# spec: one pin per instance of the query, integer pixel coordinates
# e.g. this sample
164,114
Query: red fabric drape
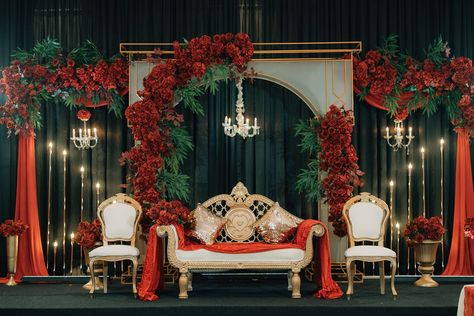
461,255
30,252
152,270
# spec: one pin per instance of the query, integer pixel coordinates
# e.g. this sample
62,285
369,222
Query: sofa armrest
306,230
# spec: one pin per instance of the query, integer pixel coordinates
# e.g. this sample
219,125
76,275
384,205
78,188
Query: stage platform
223,297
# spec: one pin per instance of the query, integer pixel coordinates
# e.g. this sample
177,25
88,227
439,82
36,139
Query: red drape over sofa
152,267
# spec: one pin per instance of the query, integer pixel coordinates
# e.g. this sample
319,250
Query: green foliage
182,145
390,101
188,95
390,46
44,51
87,54
173,185
436,51
308,179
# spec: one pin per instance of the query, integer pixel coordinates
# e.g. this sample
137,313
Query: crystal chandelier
242,128
85,140
398,137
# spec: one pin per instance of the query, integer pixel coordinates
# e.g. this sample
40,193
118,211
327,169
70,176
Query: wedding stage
219,295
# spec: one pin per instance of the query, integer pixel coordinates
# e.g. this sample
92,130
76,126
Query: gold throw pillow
204,225
276,225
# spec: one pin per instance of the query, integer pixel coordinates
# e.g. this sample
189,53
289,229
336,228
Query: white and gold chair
119,216
366,217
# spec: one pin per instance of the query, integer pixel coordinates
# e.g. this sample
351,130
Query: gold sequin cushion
276,225
204,225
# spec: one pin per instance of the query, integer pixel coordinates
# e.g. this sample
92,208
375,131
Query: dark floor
221,296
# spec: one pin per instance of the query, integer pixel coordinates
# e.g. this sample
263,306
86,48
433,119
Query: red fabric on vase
30,251
461,255
152,281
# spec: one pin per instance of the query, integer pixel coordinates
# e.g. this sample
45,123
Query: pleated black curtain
267,164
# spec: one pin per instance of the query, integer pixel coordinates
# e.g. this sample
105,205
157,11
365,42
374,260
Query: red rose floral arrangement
339,159
400,84
422,228
83,115
88,233
12,228
161,142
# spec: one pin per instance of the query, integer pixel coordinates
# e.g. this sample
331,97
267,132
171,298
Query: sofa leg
290,274
296,284
183,285
190,281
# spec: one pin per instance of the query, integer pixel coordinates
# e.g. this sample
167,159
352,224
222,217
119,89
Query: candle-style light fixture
242,126
72,252
391,184
55,251
64,210
398,247
410,167
85,138
398,137
422,150
441,147
97,193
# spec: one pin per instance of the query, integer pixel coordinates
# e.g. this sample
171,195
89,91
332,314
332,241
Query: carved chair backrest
366,217
119,216
242,210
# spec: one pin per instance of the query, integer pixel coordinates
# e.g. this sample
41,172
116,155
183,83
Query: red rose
71,63
83,115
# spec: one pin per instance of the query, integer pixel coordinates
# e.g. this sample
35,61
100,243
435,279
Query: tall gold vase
425,254
12,254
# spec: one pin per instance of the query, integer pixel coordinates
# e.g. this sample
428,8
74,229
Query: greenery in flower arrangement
81,77
12,228
88,233
422,228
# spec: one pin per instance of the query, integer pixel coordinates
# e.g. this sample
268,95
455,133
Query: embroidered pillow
276,225
204,225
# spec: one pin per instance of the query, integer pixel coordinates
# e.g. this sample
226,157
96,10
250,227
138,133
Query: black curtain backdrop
267,164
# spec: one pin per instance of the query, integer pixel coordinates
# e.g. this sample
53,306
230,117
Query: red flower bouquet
422,228
12,228
88,234
469,228
83,115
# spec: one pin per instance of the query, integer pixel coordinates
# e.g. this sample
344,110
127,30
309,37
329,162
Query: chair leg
91,268
105,275
350,281
295,283
183,284
382,277
290,274
393,264
134,276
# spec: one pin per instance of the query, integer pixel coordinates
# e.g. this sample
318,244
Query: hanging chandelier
399,136
85,139
243,127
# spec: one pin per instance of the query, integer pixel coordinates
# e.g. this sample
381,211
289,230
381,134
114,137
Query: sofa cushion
278,255
276,225
204,225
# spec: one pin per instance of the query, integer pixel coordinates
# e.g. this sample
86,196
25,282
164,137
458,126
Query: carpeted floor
224,297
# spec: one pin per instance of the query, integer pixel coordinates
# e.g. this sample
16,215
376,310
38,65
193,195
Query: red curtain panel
461,256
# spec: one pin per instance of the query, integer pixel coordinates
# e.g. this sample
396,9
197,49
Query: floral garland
161,142
339,159
12,228
404,84
81,77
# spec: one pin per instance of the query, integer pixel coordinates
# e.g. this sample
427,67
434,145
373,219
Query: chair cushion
369,251
114,250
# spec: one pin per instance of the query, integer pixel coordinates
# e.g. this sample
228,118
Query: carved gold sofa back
242,210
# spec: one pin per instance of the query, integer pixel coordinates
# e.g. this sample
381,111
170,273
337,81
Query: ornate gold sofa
242,210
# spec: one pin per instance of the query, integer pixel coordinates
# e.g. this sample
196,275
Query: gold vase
12,254
98,283
425,254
